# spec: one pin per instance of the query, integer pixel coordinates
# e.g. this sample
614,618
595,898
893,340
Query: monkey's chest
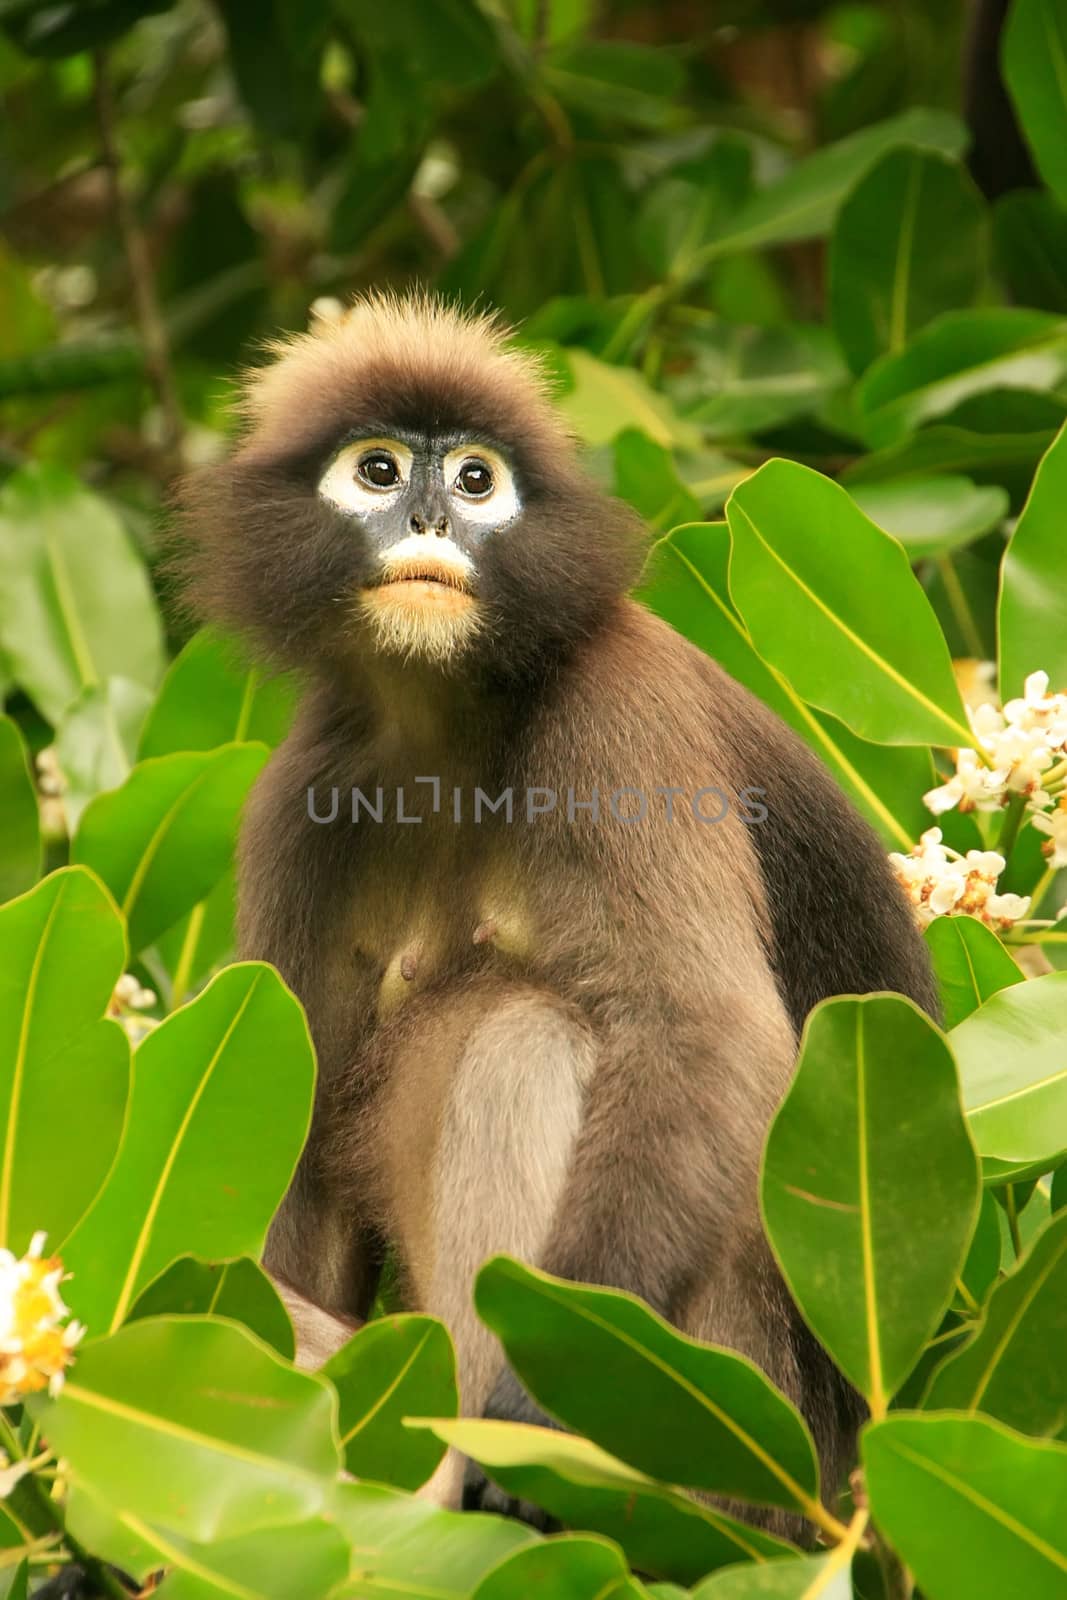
435,906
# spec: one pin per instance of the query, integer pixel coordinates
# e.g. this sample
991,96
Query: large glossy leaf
686,583
971,965
999,1497
909,242
76,606
238,1289
1035,71
403,1546
831,602
695,1415
277,1562
1003,457
932,516
810,1578
212,695
207,1154
395,1367
869,1143
20,832
1033,582
803,204
961,354
64,1067
97,739
165,838
235,1439
1013,1367
571,1567
662,1532
1013,1075
201,940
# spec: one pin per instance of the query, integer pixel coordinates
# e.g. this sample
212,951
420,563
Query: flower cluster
1020,750
939,881
35,1346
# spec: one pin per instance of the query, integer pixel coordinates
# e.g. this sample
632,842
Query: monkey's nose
419,524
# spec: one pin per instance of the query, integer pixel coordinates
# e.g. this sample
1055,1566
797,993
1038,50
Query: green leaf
662,1532
571,1567
395,1367
804,203
206,1155
982,1266
1004,457
686,584
807,1578
617,80
961,354
234,1440
1030,240
605,400
97,739
831,601
909,242
200,941
403,1546
870,1142
971,965
1010,1055
1034,56
164,839
238,1289
695,1415
1033,582
932,516
20,830
212,696
76,606
741,380
974,1510
646,476
1013,1368
272,1563
64,1067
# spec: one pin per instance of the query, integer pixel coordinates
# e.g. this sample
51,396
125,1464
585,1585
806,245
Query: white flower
940,882
973,787
35,1346
1055,825
977,681
1019,750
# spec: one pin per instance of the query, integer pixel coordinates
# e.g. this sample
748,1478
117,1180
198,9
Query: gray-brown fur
648,979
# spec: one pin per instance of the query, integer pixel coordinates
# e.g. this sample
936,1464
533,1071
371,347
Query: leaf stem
1009,832
1011,1211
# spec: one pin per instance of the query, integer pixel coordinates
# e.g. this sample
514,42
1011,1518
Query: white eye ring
501,501
343,487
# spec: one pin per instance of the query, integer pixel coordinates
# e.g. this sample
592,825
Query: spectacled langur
559,1033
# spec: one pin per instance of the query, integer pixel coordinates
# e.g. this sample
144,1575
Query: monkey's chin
419,617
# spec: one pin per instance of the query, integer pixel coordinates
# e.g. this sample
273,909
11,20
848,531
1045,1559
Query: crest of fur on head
261,552
397,349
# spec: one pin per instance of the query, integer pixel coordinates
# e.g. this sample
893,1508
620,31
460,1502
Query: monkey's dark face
406,490
425,507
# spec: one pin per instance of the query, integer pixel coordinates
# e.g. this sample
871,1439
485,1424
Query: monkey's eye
379,469
475,478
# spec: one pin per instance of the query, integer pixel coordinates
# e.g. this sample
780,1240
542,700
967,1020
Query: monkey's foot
508,1402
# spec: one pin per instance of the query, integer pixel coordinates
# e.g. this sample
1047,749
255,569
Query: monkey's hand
508,1402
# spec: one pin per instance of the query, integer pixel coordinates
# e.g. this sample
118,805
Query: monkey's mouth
421,580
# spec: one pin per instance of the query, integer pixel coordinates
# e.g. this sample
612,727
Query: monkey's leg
497,1083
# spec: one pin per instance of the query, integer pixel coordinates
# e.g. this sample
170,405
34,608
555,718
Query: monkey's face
405,488
427,507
